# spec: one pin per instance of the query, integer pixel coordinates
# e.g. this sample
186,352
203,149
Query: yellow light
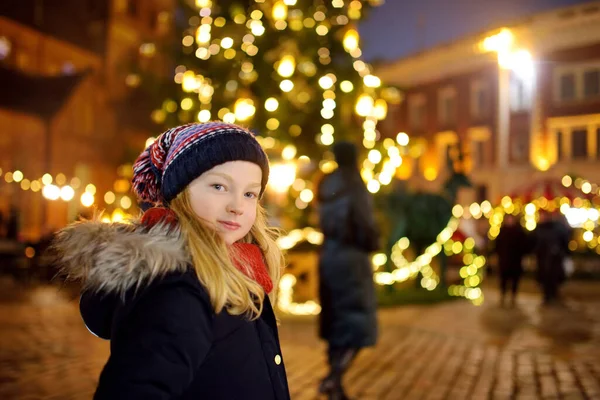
500,42
457,211
67,193
327,166
118,215
457,247
47,179
286,85
372,81
229,118
475,210
282,176
585,188
244,109
326,82
125,202
17,176
90,188
402,139
567,181
25,184
486,207
272,124
306,195
327,129
186,104
430,173
109,197
189,82
374,156
380,110
271,104
229,54
280,11
60,179
373,186
530,209
542,163
202,36
8,177
204,116
87,199
379,259
350,40
51,192
588,236
288,152
346,86
364,105
226,42
36,186
326,139
530,225
287,66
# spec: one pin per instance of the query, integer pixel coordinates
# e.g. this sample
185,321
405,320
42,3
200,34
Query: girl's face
226,197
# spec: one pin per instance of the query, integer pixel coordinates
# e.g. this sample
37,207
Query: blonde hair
228,288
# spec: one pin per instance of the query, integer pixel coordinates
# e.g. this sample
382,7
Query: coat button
277,359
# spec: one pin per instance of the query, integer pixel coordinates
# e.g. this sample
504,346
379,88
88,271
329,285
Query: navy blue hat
181,154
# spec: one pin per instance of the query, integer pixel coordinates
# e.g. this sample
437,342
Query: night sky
402,27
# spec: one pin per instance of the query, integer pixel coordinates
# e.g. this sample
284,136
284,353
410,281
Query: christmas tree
290,70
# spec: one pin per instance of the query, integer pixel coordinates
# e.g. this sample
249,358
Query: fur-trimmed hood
113,258
114,261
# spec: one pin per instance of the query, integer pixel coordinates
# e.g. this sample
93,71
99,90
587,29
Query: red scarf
250,262
248,258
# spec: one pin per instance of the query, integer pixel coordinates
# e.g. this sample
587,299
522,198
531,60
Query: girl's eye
251,195
218,187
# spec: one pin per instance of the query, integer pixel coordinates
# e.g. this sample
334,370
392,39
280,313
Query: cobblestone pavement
447,351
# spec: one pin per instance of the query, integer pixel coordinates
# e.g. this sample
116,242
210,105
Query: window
579,143
447,106
519,147
478,153
598,143
520,93
480,99
591,83
560,150
416,112
577,82
567,87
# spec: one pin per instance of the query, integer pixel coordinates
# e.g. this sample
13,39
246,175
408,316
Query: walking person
185,294
551,238
348,320
511,247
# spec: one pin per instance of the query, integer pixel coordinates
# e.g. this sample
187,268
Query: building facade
79,137
519,102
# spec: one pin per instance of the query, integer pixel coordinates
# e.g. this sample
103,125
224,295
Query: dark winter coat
551,246
166,341
348,317
512,244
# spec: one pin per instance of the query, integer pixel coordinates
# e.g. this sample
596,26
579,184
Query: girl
185,294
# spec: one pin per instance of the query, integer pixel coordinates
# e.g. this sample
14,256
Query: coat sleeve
157,347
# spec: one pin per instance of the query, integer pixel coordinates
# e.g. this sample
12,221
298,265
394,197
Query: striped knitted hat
181,154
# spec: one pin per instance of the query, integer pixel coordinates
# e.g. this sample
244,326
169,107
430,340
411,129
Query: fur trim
113,258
